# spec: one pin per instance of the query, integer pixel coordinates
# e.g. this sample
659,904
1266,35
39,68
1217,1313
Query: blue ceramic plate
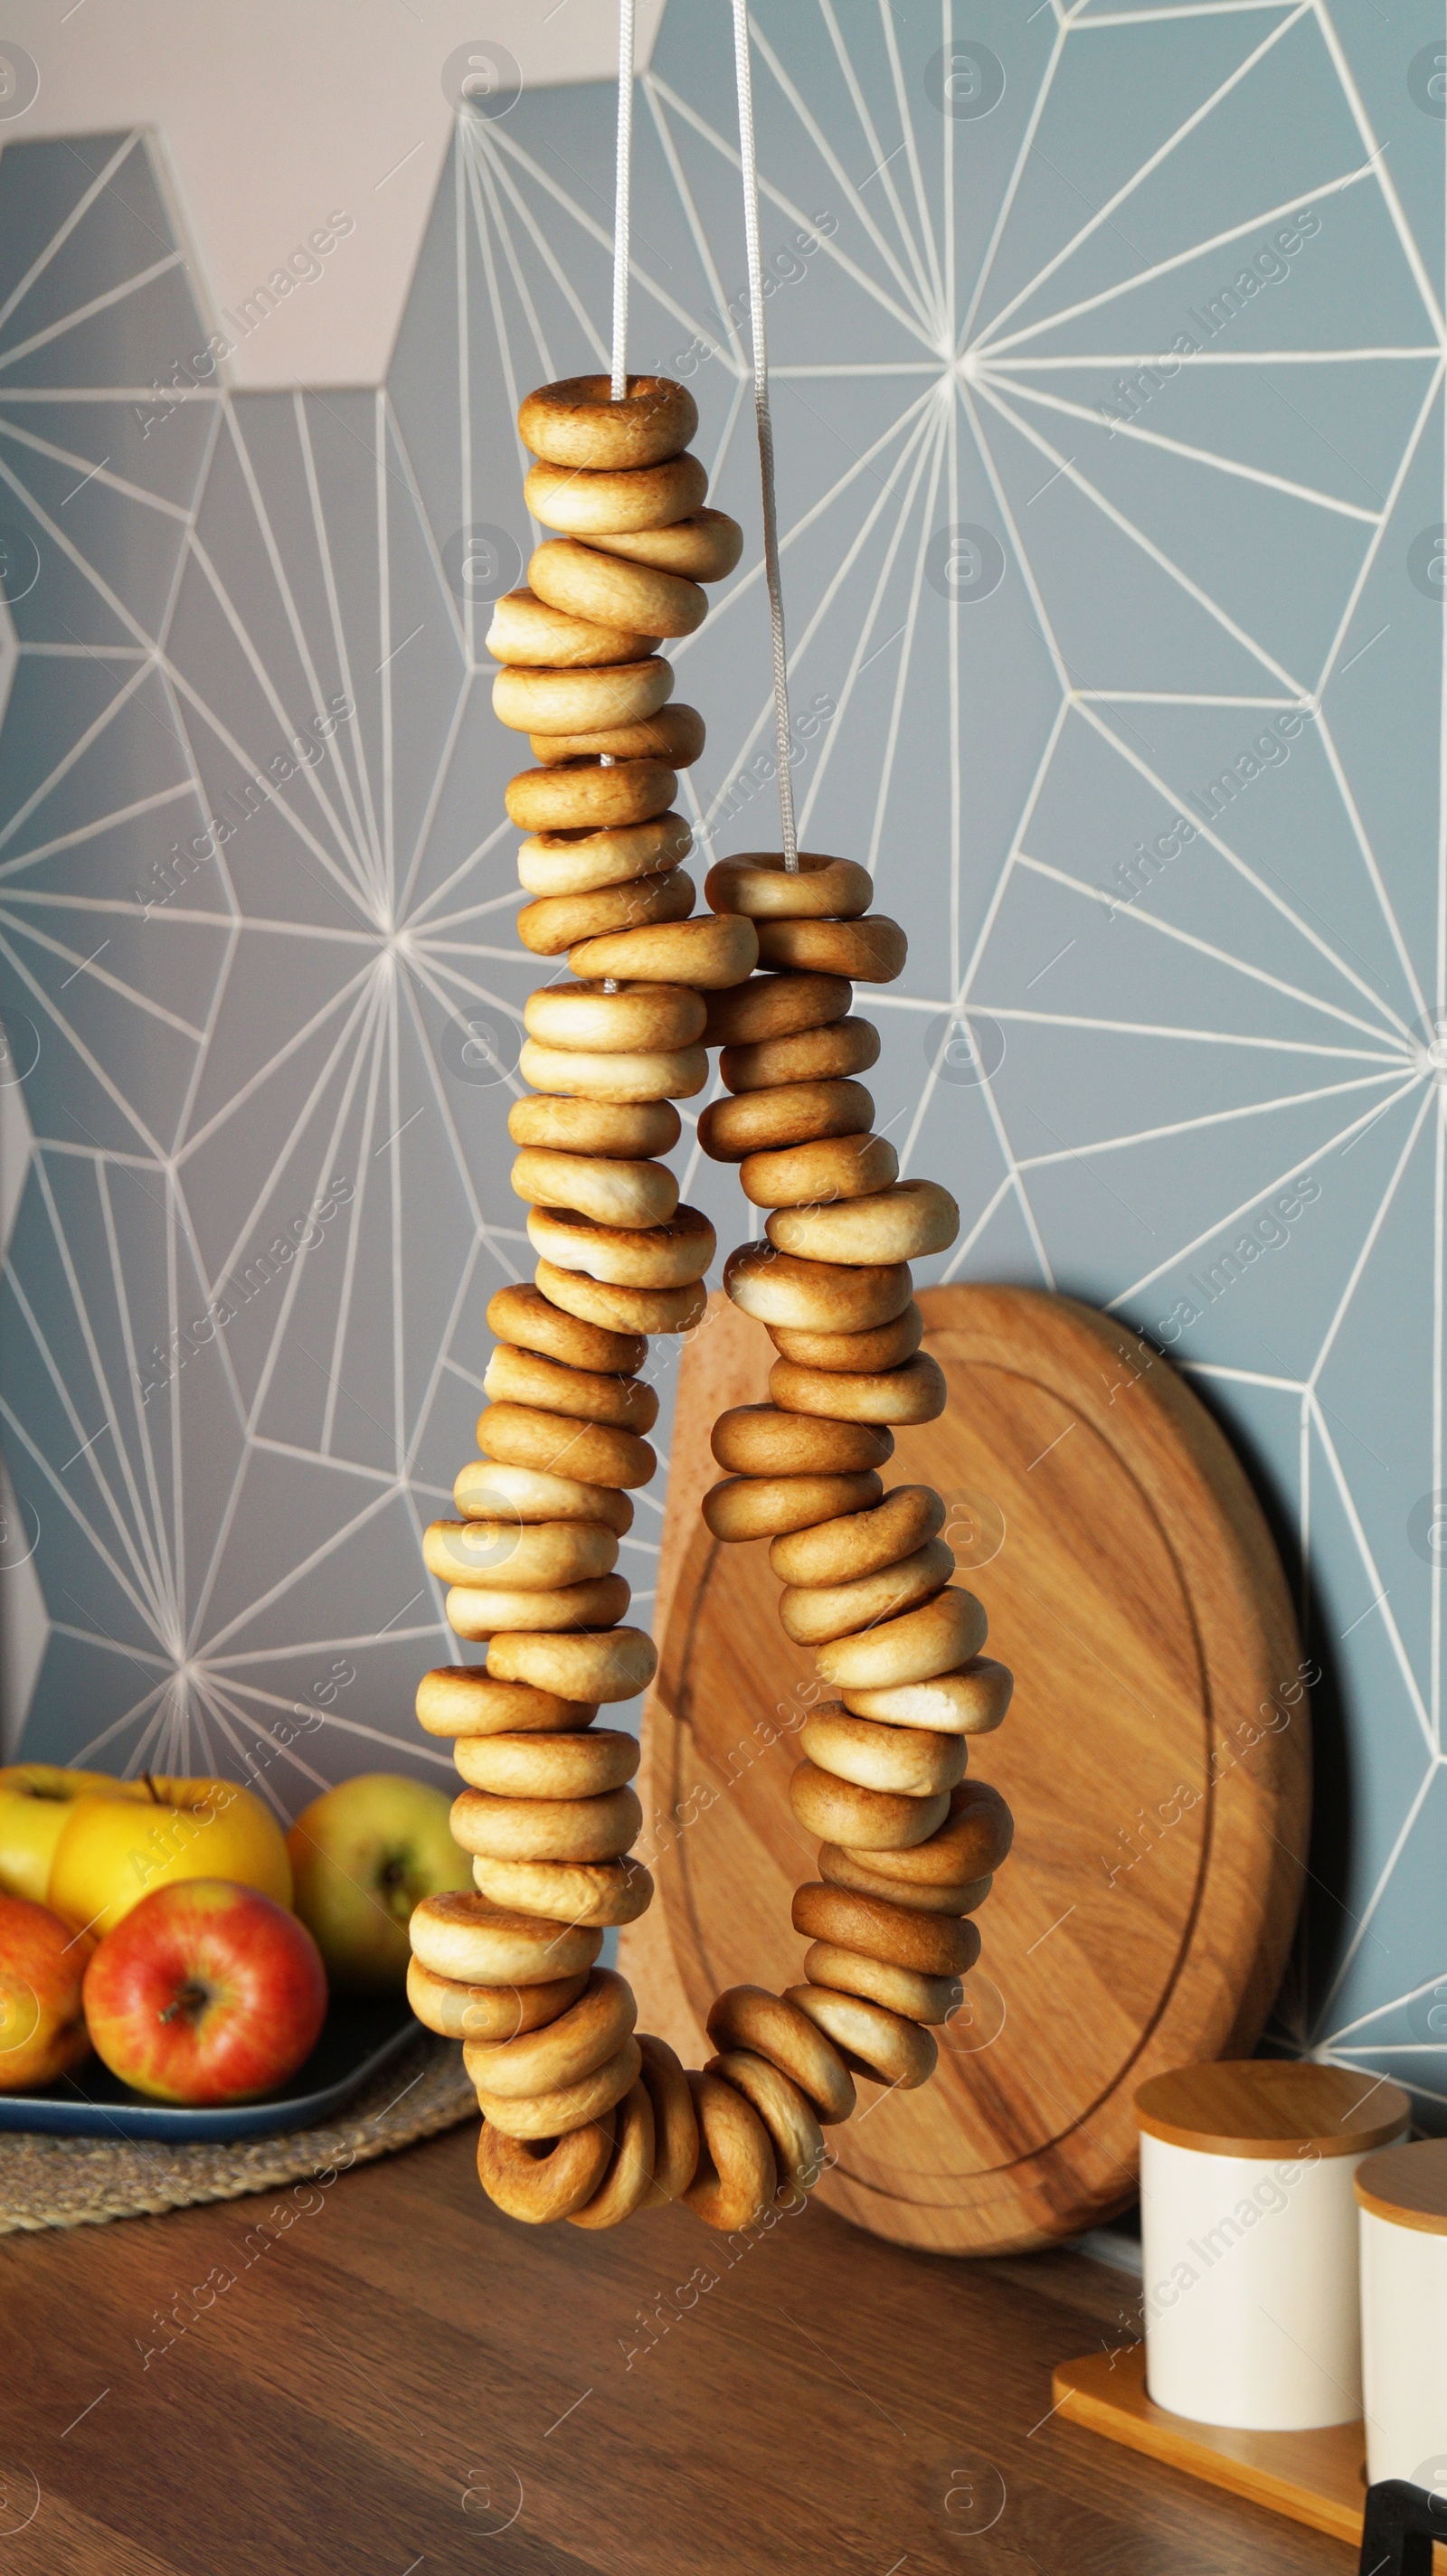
361,2035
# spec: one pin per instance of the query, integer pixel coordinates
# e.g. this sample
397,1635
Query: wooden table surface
401,2382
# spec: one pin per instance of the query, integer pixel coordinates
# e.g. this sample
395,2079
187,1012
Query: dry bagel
902,1758
675,2130
825,1054
479,1615
572,2106
462,1936
525,630
774,2029
591,1074
887,1346
584,796
914,1392
641,1310
876,2043
617,1663
969,1702
585,1395
676,734
456,2011
657,1256
744,1507
526,1317
629,1131
845,1869
534,1556
703,547
900,1990
800,2154
587,503
933,1945
831,1168
609,1188
462,1699
576,2044
612,592
597,1893
838,1551
775,1006
972,1842
596,1453
815,1614
708,953
759,884
736,2177
871,951
796,1113
541,2181
488,1490
815,1296
637,1018
754,1440
868,1820
898,1224
584,862
625,2185
539,699
583,1765
558,921
913,1648
577,421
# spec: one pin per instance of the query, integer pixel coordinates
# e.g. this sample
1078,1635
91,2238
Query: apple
114,1849
363,1854
42,1964
35,1798
207,1992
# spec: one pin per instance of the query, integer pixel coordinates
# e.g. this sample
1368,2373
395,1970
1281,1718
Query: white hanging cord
750,167
621,212
621,201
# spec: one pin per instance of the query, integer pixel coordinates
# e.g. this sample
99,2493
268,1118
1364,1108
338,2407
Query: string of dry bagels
583,2119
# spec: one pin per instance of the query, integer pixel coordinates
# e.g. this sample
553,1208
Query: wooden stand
1317,2478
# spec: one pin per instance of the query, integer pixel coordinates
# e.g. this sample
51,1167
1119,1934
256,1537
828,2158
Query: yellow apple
113,1850
35,1800
363,1855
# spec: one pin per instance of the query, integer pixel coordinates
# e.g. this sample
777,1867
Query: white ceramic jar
1249,2238
1402,2212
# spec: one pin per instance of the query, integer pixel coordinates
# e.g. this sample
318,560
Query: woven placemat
78,2182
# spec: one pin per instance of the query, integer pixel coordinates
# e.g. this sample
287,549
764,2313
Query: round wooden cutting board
1156,1758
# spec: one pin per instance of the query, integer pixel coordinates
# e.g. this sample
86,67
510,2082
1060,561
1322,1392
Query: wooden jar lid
1408,2185
1270,2106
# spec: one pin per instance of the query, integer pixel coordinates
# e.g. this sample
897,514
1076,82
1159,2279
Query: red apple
206,1992
42,1963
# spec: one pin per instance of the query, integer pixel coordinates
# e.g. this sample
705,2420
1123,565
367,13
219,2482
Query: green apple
362,1855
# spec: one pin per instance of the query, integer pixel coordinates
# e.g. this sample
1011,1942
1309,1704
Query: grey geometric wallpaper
1108,353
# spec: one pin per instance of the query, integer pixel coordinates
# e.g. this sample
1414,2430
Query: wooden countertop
401,2372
